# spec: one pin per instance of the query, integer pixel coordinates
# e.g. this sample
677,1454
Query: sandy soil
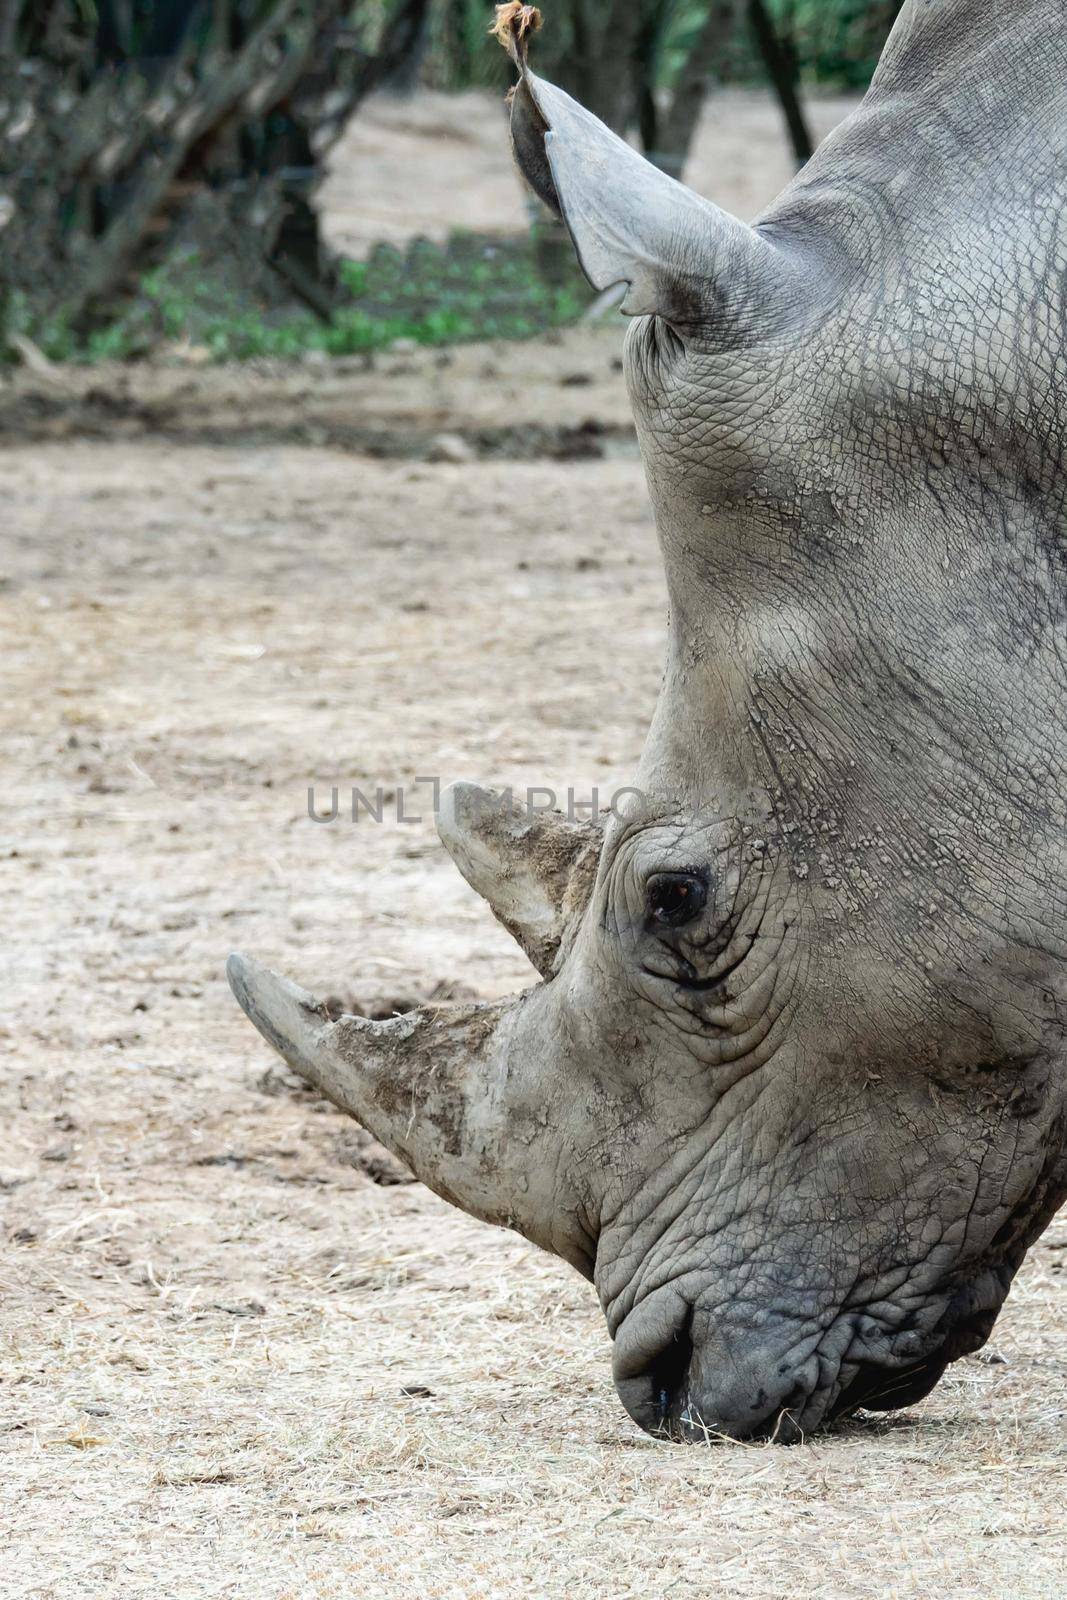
233,1364
557,396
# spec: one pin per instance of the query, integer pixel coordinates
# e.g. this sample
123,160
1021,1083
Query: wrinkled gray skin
801,1141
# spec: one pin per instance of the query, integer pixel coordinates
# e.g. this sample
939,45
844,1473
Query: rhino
792,1088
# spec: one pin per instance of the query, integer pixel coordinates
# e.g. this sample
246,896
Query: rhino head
793,1089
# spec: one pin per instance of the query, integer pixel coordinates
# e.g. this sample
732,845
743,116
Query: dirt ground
233,1361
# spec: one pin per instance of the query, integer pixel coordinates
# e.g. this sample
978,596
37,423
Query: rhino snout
685,1376
694,1389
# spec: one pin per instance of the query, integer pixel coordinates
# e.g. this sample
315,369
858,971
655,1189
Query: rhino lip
879,1388
889,1389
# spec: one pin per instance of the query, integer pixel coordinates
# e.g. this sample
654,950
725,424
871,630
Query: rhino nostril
652,1362
669,1372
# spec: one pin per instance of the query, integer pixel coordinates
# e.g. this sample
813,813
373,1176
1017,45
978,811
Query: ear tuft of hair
512,27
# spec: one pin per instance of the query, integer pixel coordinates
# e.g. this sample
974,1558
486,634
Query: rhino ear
683,258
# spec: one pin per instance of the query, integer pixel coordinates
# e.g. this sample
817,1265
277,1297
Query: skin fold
793,1088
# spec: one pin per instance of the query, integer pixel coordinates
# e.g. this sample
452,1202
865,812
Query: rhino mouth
875,1388
664,1400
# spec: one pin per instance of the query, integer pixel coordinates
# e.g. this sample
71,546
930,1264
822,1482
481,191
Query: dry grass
210,1315
169,1445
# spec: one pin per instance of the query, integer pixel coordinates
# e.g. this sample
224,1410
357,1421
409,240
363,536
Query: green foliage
473,287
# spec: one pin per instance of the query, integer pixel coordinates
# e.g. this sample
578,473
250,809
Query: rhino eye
675,898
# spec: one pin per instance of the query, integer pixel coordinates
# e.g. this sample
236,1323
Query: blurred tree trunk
114,124
9,17
668,122
587,47
779,56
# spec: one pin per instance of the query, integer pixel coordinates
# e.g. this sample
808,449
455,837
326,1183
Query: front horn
458,1092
